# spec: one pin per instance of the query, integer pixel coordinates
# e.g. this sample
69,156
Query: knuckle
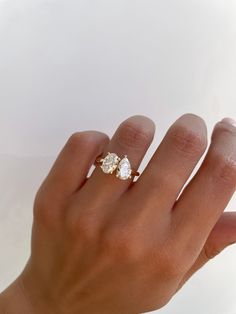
44,213
222,128
39,206
224,170
211,251
134,135
187,141
80,141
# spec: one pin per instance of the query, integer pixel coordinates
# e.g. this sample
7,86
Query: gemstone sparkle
110,163
124,169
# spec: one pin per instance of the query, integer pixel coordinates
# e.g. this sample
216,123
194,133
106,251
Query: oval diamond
124,169
110,163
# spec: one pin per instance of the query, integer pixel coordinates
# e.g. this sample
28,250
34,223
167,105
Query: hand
103,245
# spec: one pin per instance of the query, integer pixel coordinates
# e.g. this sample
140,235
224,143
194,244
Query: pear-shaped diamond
124,169
110,162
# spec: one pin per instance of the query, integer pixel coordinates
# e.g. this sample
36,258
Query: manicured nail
229,121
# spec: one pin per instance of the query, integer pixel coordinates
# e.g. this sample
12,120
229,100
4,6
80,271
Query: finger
132,138
205,198
173,162
222,235
70,169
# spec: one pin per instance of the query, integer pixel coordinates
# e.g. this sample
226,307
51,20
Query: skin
103,245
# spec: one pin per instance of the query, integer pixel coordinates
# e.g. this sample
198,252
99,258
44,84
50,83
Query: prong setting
109,163
112,162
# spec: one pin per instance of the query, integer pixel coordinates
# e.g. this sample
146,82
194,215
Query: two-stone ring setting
113,163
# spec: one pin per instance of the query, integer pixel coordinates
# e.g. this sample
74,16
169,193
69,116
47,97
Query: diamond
124,169
110,163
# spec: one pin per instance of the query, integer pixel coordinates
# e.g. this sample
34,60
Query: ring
112,163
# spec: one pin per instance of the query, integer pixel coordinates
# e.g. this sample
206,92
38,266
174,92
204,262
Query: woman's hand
103,245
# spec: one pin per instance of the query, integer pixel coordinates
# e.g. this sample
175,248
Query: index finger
207,195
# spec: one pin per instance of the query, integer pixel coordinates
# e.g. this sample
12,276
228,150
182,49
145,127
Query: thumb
222,235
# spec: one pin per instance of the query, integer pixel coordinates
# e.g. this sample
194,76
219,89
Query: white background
71,65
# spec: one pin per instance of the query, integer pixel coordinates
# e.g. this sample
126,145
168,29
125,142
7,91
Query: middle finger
172,163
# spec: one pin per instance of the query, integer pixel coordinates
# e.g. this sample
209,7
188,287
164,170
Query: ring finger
132,138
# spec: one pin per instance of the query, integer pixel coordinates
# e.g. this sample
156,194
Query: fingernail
229,121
